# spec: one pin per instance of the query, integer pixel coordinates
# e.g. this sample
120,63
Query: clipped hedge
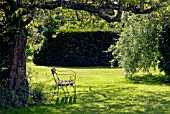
76,49
164,49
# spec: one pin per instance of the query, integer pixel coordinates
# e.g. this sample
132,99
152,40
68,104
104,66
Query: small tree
137,47
144,43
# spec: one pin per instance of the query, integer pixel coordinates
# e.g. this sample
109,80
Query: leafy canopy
137,47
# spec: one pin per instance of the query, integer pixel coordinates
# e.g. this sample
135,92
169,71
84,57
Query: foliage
37,95
75,20
164,41
143,44
35,31
137,47
11,98
29,51
76,49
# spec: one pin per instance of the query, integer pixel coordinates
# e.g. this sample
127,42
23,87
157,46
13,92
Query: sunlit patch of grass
102,90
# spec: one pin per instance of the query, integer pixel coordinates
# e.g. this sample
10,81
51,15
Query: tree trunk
14,70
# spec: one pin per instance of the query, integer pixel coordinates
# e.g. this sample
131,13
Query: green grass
102,90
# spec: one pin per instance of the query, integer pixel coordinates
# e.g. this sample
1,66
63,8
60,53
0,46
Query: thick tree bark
18,62
14,73
14,86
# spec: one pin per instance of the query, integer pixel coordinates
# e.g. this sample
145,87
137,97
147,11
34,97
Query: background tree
137,47
17,14
144,42
164,40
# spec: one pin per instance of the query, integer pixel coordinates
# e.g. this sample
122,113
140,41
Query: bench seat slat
65,82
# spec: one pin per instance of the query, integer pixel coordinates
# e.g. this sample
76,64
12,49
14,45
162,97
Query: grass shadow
149,79
111,99
66,100
106,99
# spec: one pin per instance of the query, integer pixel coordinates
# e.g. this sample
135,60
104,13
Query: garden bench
69,80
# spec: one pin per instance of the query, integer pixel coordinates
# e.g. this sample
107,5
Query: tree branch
28,20
142,10
92,8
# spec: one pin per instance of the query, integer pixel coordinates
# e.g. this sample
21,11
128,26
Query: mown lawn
101,90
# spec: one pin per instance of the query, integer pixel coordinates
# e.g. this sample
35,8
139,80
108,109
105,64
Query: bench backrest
69,75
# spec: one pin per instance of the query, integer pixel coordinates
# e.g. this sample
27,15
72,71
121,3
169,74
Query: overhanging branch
92,8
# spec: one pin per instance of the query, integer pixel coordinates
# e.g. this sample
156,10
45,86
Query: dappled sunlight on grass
102,91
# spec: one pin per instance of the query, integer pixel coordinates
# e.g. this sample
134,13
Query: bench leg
67,90
54,92
74,87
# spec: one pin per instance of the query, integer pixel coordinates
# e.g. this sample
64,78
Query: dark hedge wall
164,49
76,49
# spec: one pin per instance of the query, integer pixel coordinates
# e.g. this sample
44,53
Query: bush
164,41
11,98
76,49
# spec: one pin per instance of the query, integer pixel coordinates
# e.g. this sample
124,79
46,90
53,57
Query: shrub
164,41
76,49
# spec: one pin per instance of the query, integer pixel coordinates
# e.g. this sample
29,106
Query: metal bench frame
63,83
